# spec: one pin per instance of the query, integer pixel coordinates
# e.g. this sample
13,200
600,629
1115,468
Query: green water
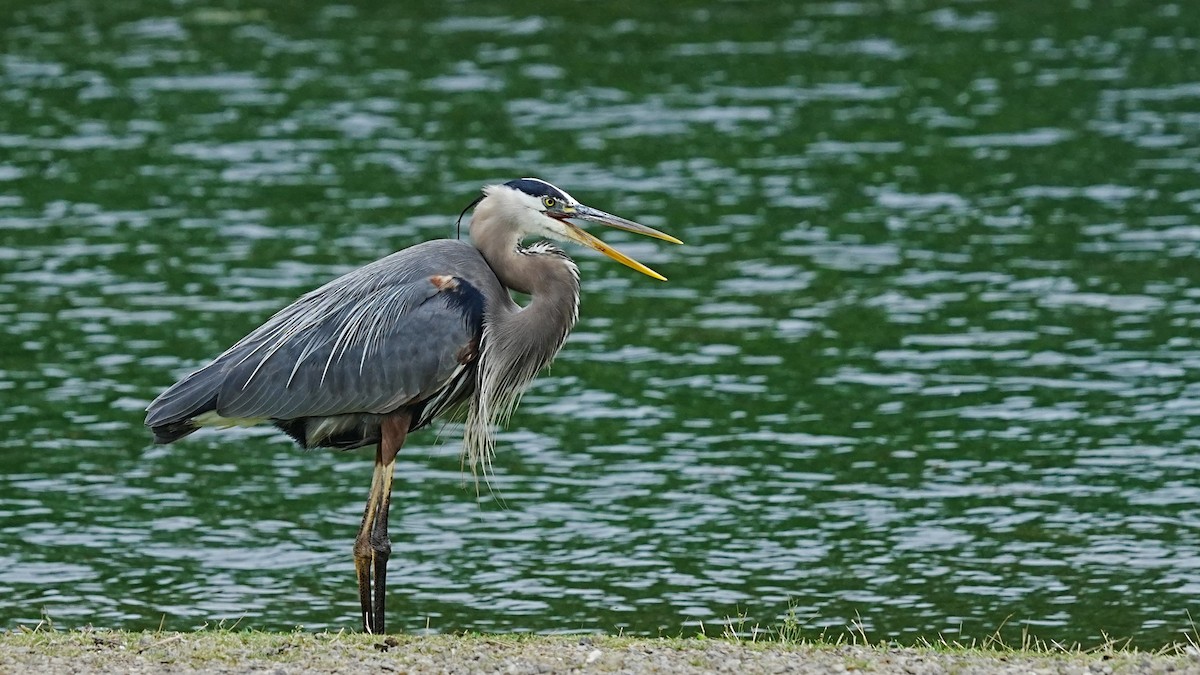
929,361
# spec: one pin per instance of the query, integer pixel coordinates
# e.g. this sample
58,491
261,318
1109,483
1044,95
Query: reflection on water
928,360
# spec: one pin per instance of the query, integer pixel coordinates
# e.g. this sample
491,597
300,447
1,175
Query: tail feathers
169,433
172,415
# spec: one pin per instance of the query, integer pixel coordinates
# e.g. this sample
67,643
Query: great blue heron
381,351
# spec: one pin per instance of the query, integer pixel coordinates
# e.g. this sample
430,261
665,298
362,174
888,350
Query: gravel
292,653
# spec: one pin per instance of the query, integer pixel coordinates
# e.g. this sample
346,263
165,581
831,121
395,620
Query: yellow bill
597,216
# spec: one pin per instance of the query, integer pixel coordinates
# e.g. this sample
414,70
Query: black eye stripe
537,188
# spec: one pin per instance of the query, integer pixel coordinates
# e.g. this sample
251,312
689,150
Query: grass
793,630
789,644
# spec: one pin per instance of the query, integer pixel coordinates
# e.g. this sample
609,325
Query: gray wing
388,334
388,348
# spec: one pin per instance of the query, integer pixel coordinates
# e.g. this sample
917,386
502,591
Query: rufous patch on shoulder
444,282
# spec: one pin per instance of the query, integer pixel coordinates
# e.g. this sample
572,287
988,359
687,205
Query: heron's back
401,331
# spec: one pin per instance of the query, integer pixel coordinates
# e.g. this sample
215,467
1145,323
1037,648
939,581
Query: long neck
541,271
551,280
518,342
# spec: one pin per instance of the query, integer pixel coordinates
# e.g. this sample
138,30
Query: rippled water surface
929,361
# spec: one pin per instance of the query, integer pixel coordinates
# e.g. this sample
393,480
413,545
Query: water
928,362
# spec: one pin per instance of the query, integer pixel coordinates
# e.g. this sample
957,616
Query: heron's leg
372,546
394,431
363,553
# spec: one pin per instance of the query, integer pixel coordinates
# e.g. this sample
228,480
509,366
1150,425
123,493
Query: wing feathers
385,335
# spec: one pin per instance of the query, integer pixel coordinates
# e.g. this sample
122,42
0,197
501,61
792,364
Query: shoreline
104,651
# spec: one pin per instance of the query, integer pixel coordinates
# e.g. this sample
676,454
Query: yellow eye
549,202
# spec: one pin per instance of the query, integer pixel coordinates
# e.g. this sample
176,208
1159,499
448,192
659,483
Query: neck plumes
518,342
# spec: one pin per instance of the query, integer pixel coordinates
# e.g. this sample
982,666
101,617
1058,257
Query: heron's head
533,207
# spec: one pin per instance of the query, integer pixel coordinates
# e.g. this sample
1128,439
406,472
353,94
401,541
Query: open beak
597,216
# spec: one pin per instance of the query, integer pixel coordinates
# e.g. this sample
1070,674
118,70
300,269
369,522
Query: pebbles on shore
294,653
